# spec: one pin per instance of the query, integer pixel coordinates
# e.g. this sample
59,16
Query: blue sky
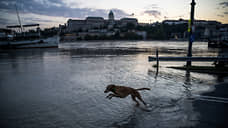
50,13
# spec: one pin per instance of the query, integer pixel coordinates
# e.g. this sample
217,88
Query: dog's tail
143,89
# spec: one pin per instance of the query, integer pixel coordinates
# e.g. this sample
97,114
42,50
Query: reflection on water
55,88
166,47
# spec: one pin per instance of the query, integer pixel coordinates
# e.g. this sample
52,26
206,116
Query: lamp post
190,30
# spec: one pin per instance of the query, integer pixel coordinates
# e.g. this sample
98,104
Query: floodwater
46,88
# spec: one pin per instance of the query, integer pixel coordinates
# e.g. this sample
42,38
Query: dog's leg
108,96
133,98
140,98
112,95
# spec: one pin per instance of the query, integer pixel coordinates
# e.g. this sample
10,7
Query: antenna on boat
18,17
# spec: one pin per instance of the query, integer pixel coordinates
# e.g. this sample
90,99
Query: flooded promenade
46,88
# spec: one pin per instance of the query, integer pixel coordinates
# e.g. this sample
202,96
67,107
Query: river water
46,88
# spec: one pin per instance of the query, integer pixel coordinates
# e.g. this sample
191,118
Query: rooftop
94,18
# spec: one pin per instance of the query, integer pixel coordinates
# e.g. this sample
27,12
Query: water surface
60,88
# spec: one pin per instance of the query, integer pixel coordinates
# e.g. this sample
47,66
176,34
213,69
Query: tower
111,16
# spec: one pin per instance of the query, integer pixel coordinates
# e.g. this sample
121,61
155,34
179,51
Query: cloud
220,15
153,6
30,18
223,9
36,19
54,8
5,21
119,13
224,4
154,13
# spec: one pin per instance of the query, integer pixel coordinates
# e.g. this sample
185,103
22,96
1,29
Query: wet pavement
60,88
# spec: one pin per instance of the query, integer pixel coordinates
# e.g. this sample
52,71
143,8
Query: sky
49,13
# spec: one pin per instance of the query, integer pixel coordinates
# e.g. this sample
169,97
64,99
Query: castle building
98,23
125,21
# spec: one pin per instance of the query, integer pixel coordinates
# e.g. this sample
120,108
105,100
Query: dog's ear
111,86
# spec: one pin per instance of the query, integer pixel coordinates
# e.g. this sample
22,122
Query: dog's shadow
128,122
132,119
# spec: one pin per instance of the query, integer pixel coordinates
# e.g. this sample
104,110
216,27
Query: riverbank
211,106
213,113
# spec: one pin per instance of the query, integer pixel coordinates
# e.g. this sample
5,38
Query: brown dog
122,92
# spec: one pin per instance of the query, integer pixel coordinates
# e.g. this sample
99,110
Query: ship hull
37,43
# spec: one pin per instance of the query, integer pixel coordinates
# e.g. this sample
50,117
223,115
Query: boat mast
18,17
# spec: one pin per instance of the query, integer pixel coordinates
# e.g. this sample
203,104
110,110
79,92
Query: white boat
36,43
33,39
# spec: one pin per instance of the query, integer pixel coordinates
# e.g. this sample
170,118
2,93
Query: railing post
190,29
157,58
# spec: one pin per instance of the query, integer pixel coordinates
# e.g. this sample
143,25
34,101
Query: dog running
123,91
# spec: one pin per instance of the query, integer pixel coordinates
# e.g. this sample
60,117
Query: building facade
98,23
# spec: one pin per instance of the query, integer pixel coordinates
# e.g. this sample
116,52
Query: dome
111,15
